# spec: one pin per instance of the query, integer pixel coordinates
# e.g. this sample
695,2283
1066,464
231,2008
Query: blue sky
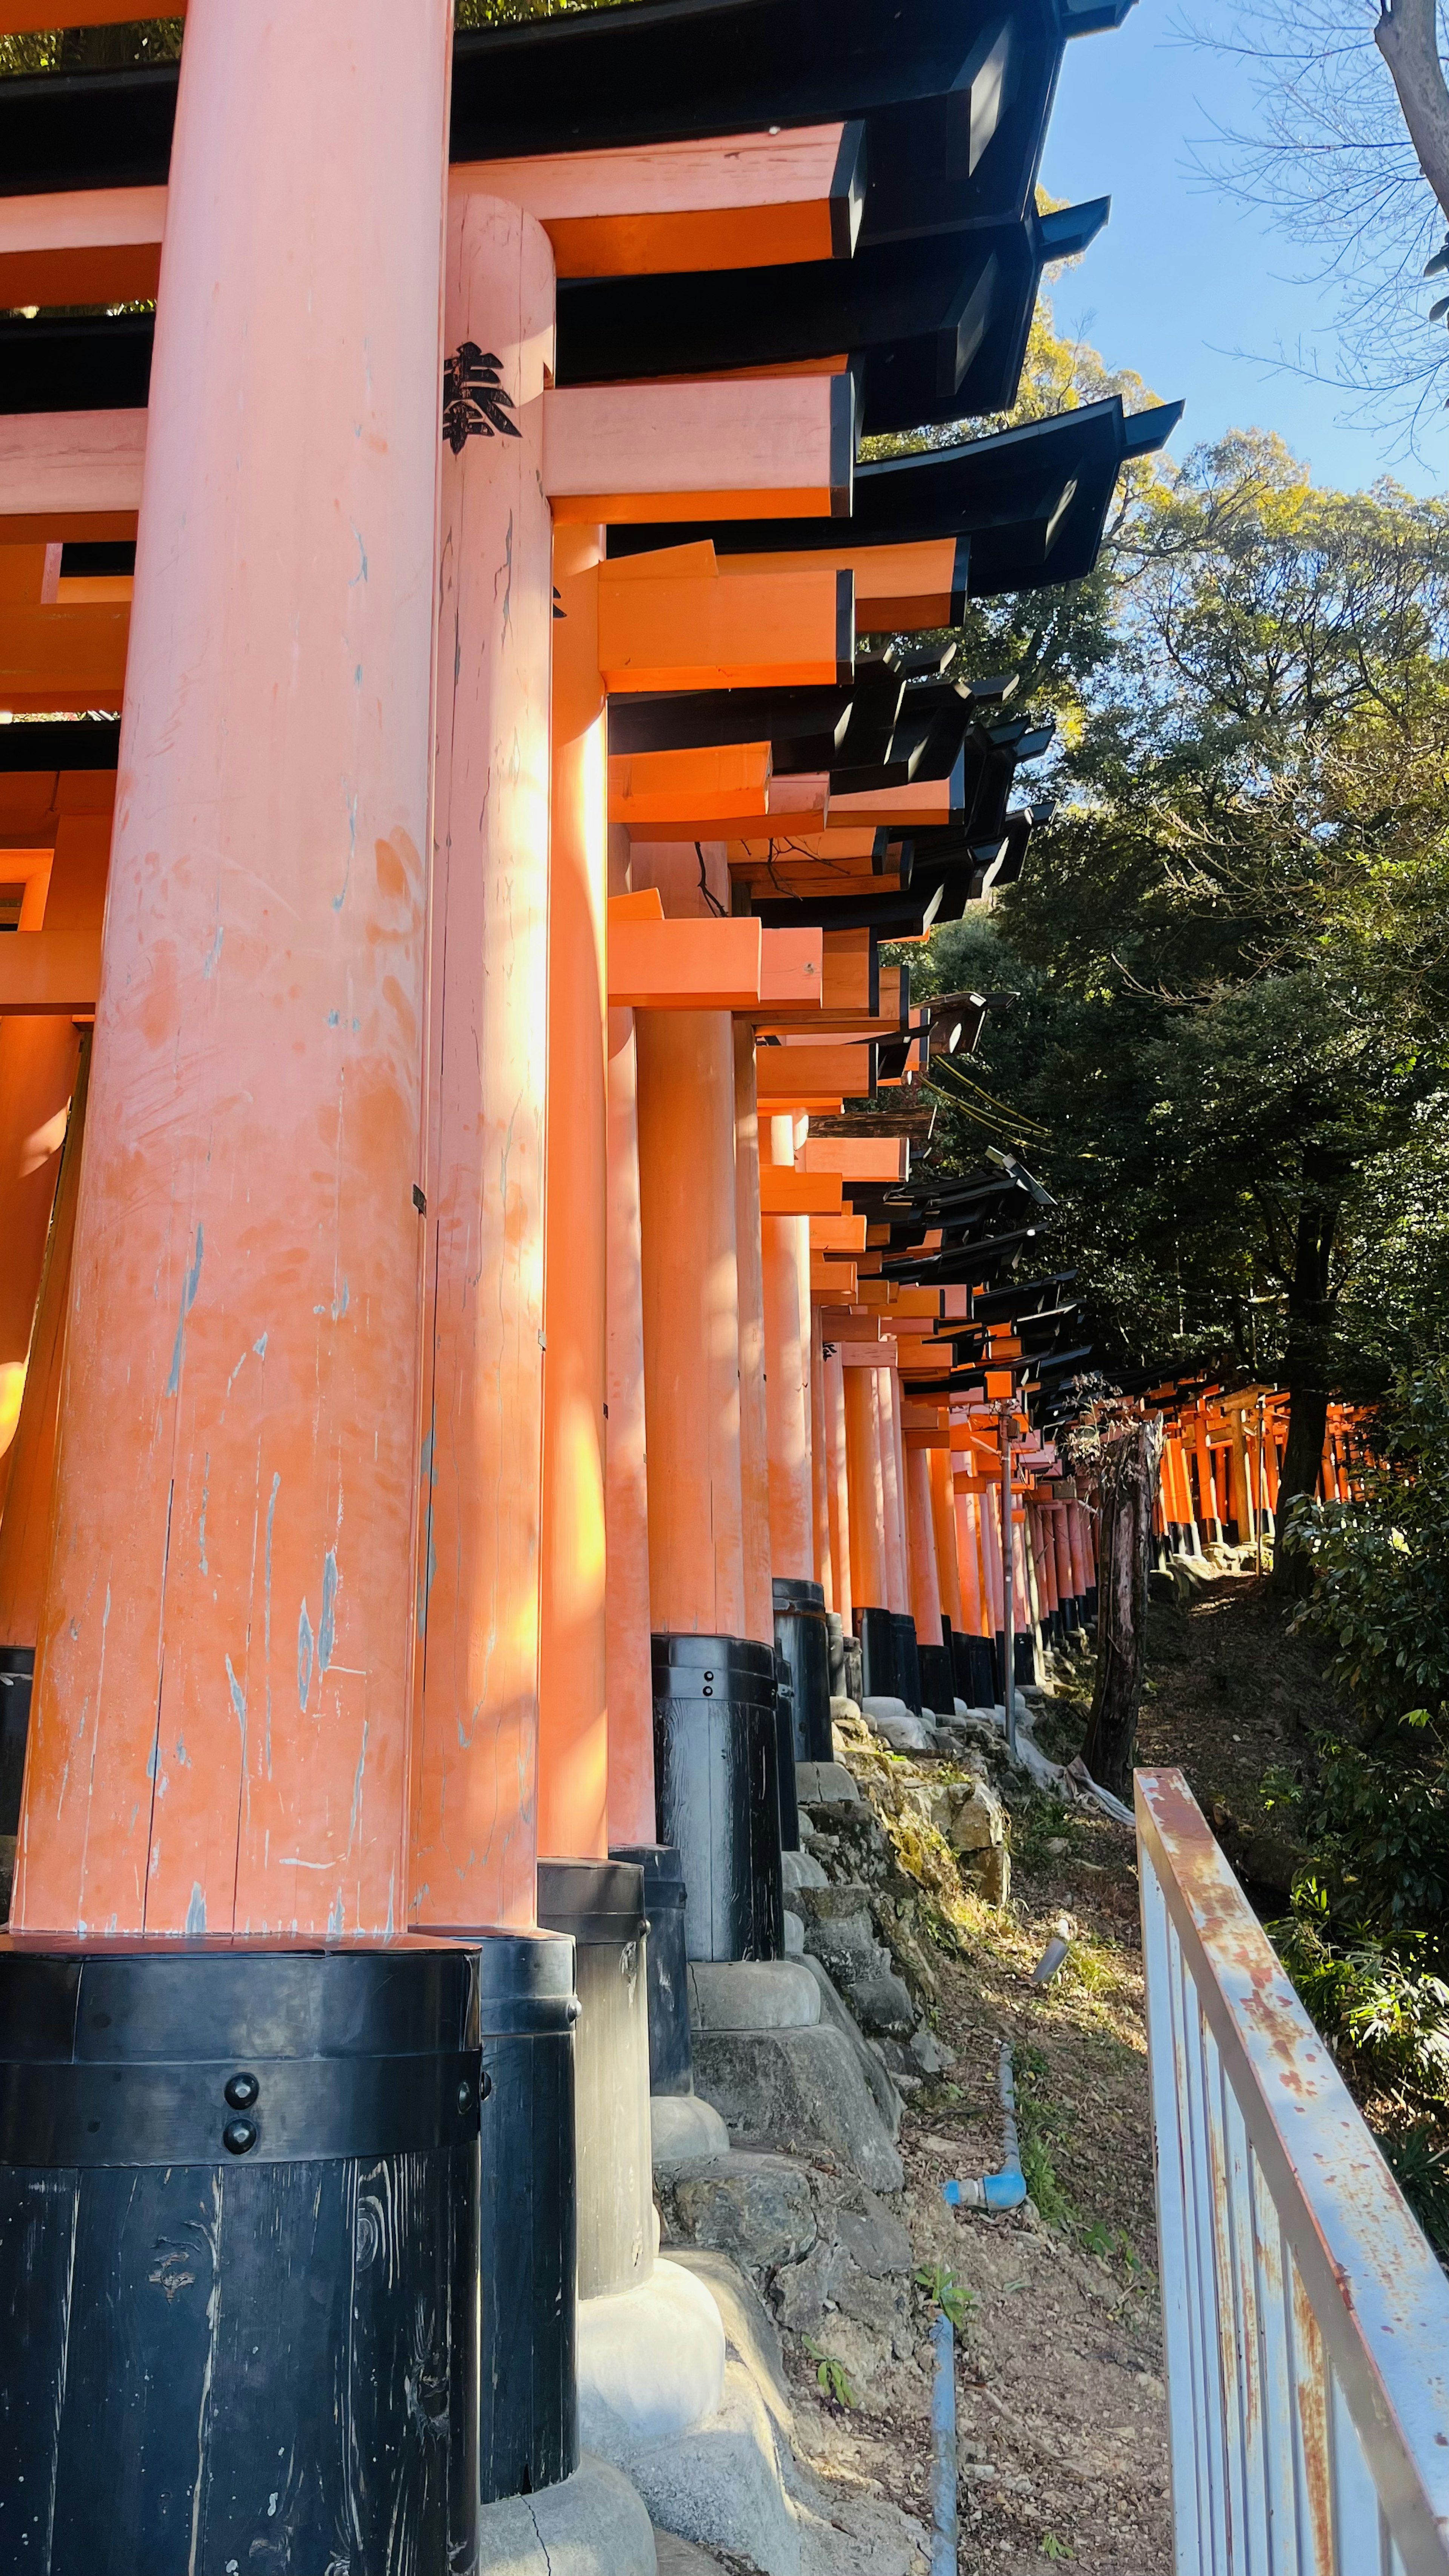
1182,277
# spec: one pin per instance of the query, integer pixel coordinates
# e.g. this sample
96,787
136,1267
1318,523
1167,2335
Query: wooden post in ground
1128,1481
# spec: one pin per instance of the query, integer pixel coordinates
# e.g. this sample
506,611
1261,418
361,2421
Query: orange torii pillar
603,1899
713,1683
979,1678
948,1553
798,1599
837,1491
214,1844
1062,1545
933,1657
757,1372
898,1574
869,1574
475,1752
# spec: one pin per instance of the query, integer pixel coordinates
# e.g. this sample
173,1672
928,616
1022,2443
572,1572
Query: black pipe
239,2197
717,1790
671,2063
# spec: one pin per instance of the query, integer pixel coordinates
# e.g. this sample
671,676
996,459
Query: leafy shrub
1377,2002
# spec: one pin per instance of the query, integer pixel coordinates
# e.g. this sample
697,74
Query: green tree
1227,1053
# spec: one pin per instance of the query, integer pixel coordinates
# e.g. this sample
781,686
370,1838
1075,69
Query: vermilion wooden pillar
756,1363
228,1619
219,1760
573,1684
921,1548
691,1321
948,1552
626,1490
837,1493
892,1459
867,1488
475,1748
786,1245
819,1461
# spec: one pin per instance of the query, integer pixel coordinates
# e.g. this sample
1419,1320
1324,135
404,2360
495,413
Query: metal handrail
1306,2320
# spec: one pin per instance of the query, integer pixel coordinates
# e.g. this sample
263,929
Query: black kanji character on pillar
474,402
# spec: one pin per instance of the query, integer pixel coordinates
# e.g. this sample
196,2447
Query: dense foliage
1225,1040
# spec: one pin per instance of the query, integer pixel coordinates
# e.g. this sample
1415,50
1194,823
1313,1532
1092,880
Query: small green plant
1051,2547
950,2295
831,2375
1099,2239
1373,1996
1037,2125
1419,2162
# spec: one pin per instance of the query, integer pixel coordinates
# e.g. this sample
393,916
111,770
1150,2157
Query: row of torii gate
464,1332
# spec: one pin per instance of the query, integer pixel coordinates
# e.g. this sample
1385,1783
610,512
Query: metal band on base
239,2355
716,1772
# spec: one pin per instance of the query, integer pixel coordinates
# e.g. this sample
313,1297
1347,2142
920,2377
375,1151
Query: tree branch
1408,38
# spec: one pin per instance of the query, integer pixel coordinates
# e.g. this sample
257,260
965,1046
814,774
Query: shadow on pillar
717,1790
239,2256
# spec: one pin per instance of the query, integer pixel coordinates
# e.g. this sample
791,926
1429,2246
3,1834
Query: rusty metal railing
1306,2319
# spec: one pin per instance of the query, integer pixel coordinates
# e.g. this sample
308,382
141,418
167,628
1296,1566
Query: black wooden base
600,1903
528,2409
908,1666
802,1639
239,2260
937,1680
875,1630
671,2064
717,1793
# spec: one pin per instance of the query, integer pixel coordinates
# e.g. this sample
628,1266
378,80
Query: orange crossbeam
647,787
50,972
689,965
898,589
63,659
783,447
70,475
674,620
784,1192
743,201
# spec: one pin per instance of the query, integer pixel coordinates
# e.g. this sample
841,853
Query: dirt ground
1061,2405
